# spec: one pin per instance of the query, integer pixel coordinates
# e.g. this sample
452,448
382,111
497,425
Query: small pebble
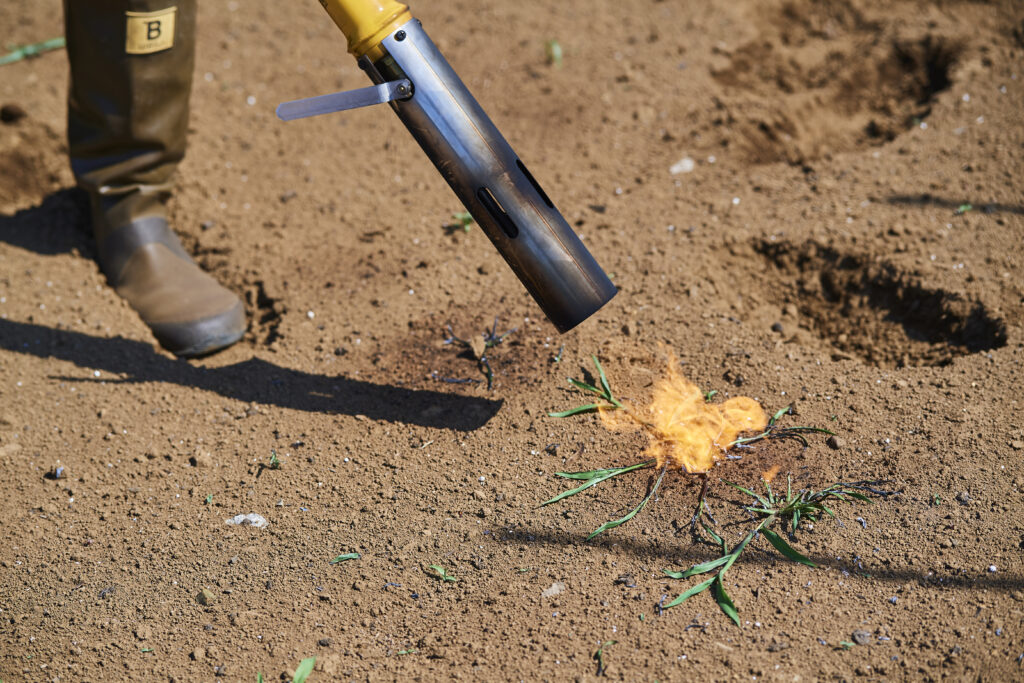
684,165
251,519
205,597
554,589
992,568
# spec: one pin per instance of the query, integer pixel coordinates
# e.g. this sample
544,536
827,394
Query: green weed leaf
724,601
604,379
699,588
785,548
586,387
304,669
589,408
344,557
593,478
443,574
704,567
619,522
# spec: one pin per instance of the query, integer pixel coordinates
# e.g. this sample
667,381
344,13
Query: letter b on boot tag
149,31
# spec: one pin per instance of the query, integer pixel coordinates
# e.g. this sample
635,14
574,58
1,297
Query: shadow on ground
679,552
58,225
253,380
953,204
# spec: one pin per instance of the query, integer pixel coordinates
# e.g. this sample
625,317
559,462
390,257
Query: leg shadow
58,225
253,380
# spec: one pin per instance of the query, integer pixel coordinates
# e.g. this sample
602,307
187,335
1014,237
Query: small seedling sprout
303,670
345,557
599,656
209,499
463,218
442,574
275,462
553,53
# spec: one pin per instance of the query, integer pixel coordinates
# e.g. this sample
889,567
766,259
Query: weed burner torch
412,75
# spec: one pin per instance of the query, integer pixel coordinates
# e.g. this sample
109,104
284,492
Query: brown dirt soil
815,255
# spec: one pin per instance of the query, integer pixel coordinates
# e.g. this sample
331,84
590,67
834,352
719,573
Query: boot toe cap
204,336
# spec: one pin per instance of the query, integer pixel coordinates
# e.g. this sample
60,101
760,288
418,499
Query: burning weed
685,431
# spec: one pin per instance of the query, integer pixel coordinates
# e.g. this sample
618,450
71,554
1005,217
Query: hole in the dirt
824,78
265,311
875,312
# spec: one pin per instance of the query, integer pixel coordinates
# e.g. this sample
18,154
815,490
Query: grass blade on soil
303,670
724,601
785,548
699,588
622,520
592,478
344,557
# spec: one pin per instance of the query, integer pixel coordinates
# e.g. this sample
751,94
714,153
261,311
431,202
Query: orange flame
685,431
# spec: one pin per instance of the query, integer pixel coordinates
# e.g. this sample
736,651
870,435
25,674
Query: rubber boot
131,74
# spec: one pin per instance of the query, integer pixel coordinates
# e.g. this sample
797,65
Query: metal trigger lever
347,99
